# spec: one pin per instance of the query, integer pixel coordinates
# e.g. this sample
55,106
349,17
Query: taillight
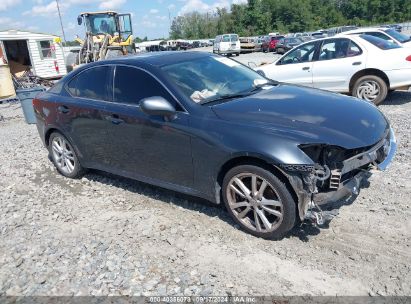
408,58
36,102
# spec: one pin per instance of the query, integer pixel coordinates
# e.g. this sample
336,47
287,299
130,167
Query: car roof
365,29
155,58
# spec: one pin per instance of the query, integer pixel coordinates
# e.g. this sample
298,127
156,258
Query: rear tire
371,88
266,209
64,156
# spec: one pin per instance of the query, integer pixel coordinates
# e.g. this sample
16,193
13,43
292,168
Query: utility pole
169,22
61,23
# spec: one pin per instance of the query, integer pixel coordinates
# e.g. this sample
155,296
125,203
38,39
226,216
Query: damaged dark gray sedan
210,127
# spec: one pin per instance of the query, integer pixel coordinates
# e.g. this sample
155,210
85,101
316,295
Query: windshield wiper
225,97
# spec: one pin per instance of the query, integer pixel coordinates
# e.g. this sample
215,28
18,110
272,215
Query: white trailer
41,53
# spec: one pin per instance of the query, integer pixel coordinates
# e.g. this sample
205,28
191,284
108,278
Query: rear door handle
306,68
114,119
63,109
357,63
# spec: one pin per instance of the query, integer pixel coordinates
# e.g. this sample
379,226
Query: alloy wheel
368,90
255,202
63,155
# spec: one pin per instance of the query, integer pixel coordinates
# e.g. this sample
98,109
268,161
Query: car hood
308,115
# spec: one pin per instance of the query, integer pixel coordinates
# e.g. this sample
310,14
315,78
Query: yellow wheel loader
108,34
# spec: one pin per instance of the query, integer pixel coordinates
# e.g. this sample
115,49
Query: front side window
131,85
92,83
47,49
304,53
210,78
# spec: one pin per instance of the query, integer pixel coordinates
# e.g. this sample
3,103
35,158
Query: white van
227,44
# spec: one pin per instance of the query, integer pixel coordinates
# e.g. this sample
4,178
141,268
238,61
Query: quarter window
132,85
47,49
92,83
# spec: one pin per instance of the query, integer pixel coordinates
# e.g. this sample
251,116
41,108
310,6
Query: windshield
230,38
398,36
102,23
380,43
213,78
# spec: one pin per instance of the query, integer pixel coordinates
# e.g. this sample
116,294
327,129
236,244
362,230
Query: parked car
258,43
247,44
270,42
208,126
182,45
318,35
364,66
195,44
227,44
396,27
341,29
388,34
286,44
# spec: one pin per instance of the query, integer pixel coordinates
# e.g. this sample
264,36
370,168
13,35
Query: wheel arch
256,161
52,129
368,71
48,134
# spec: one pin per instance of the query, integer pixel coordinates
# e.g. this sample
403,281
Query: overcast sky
150,17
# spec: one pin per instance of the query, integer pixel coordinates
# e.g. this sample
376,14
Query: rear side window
338,48
132,85
378,35
92,83
380,43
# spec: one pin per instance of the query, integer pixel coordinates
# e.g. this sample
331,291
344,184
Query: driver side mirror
79,20
157,106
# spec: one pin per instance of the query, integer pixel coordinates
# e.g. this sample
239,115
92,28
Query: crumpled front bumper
352,185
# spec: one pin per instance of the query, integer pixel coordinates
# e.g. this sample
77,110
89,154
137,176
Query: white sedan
383,33
364,66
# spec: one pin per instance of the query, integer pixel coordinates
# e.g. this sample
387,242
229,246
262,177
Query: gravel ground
258,58
106,235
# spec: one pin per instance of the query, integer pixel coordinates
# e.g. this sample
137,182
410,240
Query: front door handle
63,109
357,63
306,68
115,119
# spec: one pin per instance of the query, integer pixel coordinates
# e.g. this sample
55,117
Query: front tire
371,88
64,156
258,201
